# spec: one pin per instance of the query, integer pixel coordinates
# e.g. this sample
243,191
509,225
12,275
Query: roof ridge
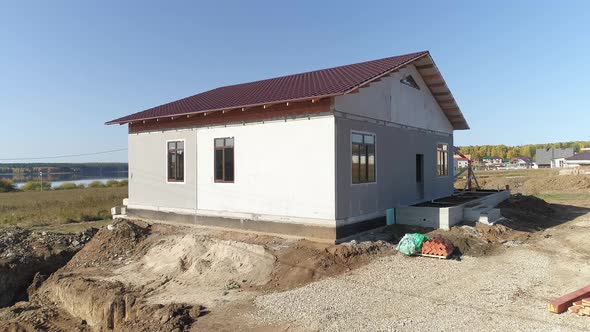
320,70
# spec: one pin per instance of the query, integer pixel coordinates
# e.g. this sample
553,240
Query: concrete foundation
446,215
317,233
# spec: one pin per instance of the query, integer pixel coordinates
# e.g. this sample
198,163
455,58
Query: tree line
477,152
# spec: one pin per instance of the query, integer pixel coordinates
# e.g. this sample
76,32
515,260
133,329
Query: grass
541,172
58,207
565,197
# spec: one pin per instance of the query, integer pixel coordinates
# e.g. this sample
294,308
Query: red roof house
320,154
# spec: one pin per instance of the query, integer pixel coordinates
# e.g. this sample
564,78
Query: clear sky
519,70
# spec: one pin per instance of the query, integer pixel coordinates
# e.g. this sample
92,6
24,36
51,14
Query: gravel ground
507,292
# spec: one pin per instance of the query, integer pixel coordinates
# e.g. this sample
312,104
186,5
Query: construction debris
411,244
421,245
561,304
438,246
581,308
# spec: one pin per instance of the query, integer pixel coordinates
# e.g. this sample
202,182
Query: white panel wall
147,171
390,100
282,168
284,171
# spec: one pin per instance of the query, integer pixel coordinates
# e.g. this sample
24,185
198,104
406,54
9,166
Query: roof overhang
440,91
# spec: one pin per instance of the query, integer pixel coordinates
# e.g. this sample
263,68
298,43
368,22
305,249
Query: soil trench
25,255
133,276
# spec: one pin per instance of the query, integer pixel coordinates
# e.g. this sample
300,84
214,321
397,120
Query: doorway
420,176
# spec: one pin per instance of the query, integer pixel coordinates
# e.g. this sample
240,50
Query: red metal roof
320,83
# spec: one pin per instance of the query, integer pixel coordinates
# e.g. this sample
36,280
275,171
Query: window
442,157
363,158
410,81
224,160
176,161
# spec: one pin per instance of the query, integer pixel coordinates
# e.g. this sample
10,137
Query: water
57,179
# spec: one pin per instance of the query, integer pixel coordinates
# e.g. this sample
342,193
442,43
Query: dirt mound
558,183
527,204
114,242
531,185
24,253
481,239
305,262
529,213
194,268
134,277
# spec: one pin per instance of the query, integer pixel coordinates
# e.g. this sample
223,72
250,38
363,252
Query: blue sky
518,70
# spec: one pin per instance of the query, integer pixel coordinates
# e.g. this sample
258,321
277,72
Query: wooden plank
560,304
425,66
430,77
435,256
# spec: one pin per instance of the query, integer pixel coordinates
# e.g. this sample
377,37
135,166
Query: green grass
564,197
58,207
542,172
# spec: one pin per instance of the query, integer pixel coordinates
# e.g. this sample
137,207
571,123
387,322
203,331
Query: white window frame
183,140
436,160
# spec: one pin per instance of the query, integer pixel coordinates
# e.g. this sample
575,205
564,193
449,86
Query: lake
57,179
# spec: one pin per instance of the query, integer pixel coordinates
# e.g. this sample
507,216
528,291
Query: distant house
578,160
492,160
521,161
322,154
461,161
553,157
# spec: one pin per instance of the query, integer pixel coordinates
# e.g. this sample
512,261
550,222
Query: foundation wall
330,234
446,217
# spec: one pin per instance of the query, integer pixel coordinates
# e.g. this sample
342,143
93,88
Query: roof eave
123,120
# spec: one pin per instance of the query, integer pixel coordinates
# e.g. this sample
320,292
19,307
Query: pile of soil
479,239
531,185
135,277
115,242
24,253
529,213
195,268
305,261
525,216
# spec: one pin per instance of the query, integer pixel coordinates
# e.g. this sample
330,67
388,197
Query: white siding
283,168
284,171
393,101
147,171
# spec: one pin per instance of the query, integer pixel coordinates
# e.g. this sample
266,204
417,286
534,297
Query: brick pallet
437,247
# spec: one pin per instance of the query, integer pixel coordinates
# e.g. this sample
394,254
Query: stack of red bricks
438,246
581,308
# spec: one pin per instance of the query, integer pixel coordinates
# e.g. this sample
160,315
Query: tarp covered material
411,244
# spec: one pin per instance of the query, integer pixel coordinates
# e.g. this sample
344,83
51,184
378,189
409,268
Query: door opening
420,175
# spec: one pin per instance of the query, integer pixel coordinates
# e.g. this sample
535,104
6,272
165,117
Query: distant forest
88,169
477,152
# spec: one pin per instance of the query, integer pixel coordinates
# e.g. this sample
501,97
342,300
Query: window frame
215,148
172,181
445,160
363,133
